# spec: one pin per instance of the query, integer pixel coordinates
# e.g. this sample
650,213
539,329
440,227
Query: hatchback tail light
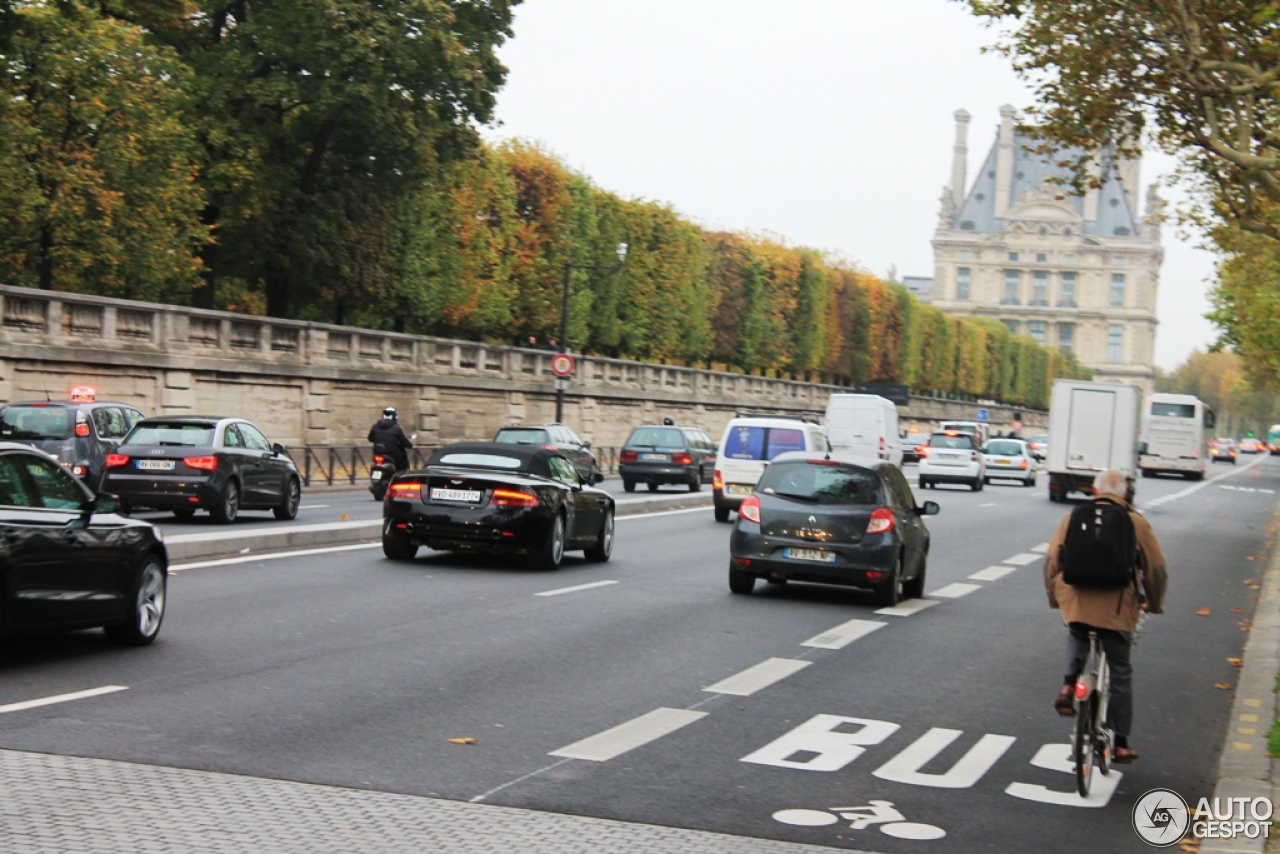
114,461
82,429
881,521
922,451
1023,464
882,443
407,490
512,498
201,463
680,458
973,456
717,481
750,509
628,457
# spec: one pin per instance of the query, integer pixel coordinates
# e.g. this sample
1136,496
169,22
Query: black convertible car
498,498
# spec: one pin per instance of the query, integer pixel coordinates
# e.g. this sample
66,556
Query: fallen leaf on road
1203,612
1248,581
1247,625
462,741
1222,686
345,518
1252,557
1236,611
1236,662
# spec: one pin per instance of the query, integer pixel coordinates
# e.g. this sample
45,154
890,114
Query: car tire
986,481
226,509
552,550
603,548
397,546
147,607
628,486
914,589
890,593
722,513
695,485
653,487
976,486
288,508
184,513
741,582
924,484
1031,481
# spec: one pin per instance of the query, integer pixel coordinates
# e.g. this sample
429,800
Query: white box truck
864,424
1092,426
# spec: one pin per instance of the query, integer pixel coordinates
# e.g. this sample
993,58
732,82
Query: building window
1011,282
1037,331
962,283
1117,288
1069,259
1118,261
1012,326
1067,296
1066,337
1013,257
1115,343
1040,288
1066,232
964,254
1041,258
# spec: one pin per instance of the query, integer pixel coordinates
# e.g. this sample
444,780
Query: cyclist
1112,613
387,432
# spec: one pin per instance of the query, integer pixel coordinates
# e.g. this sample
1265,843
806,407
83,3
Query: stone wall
318,384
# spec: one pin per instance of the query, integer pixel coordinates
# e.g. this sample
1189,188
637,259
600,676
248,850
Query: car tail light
742,561
750,509
408,490
547,447
882,443
717,481
680,458
1023,464
79,469
973,456
881,521
874,575
379,459
512,498
82,429
201,463
114,461
922,451
628,457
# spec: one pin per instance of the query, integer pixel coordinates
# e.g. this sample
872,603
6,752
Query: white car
952,457
1010,459
748,444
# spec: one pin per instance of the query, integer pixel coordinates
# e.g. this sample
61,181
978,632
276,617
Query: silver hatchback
952,457
1010,459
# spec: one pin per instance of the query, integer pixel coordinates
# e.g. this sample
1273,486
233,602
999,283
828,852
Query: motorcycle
383,471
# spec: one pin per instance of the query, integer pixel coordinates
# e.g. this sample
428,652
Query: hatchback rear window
665,438
1008,449
522,436
36,422
177,434
762,443
962,442
821,483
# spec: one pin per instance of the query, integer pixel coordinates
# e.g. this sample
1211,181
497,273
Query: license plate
738,489
1004,462
155,465
653,456
810,554
377,475
471,496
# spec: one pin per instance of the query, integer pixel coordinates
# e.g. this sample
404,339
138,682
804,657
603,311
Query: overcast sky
827,123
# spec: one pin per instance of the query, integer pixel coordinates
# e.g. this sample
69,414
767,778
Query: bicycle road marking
758,677
844,634
62,698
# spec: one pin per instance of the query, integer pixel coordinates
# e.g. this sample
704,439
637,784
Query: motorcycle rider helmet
389,412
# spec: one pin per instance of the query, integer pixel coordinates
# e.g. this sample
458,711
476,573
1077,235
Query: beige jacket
1098,607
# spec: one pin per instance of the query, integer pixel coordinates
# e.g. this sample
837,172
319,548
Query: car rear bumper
657,472
948,474
1011,472
764,557
170,493
480,529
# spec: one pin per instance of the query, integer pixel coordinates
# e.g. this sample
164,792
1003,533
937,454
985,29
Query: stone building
1080,273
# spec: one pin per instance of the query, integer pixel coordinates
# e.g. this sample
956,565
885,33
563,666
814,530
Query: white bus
1175,436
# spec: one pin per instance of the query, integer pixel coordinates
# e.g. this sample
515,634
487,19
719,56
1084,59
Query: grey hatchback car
655,454
78,433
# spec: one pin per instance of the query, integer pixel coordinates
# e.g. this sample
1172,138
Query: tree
1202,75
1246,303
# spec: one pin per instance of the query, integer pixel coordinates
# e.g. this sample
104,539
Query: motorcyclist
391,437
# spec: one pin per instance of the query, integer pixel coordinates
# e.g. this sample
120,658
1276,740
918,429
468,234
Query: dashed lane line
906,609
758,677
1183,493
955,591
628,736
993,573
1023,559
273,556
844,634
62,698
1040,549
575,588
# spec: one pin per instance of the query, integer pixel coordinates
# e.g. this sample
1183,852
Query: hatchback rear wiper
810,498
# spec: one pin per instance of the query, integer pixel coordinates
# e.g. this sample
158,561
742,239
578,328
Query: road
609,690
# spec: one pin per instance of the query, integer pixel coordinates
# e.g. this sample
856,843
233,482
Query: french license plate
377,475
155,465
738,489
1004,462
471,496
653,456
810,554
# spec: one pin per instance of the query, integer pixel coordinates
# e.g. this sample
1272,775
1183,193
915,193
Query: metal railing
331,465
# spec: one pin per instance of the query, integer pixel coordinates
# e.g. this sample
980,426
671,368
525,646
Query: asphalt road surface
643,690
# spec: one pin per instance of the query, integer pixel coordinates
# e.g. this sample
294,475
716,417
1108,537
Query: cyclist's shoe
1065,702
1123,755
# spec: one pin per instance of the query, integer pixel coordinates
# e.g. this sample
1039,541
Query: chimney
960,157
1004,160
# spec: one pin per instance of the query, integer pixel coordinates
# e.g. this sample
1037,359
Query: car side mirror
1142,448
107,503
279,449
597,477
586,445
930,508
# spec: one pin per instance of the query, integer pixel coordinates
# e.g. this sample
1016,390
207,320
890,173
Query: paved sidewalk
62,804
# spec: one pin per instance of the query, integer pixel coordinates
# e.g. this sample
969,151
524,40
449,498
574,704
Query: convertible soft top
529,459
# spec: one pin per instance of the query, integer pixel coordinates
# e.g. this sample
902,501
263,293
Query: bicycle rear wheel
1084,745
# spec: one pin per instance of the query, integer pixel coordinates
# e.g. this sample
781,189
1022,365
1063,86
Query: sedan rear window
762,443
522,436
664,438
36,422
821,483
175,433
1007,449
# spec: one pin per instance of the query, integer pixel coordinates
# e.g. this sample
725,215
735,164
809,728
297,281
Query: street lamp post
569,267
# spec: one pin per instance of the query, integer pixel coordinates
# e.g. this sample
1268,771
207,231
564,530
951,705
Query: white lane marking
575,588
1040,549
1183,493
993,573
759,676
62,698
312,506
663,513
906,609
844,634
634,733
1022,559
273,556
955,591
992,504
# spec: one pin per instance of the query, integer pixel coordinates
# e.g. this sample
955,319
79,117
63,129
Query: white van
978,429
748,443
866,425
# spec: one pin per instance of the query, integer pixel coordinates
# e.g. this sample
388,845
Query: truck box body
1092,427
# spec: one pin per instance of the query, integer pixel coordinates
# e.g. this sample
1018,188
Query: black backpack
1101,547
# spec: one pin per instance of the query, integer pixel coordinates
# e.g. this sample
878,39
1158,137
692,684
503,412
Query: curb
1245,769
185,547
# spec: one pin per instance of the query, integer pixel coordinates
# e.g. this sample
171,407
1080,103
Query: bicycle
1093,740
